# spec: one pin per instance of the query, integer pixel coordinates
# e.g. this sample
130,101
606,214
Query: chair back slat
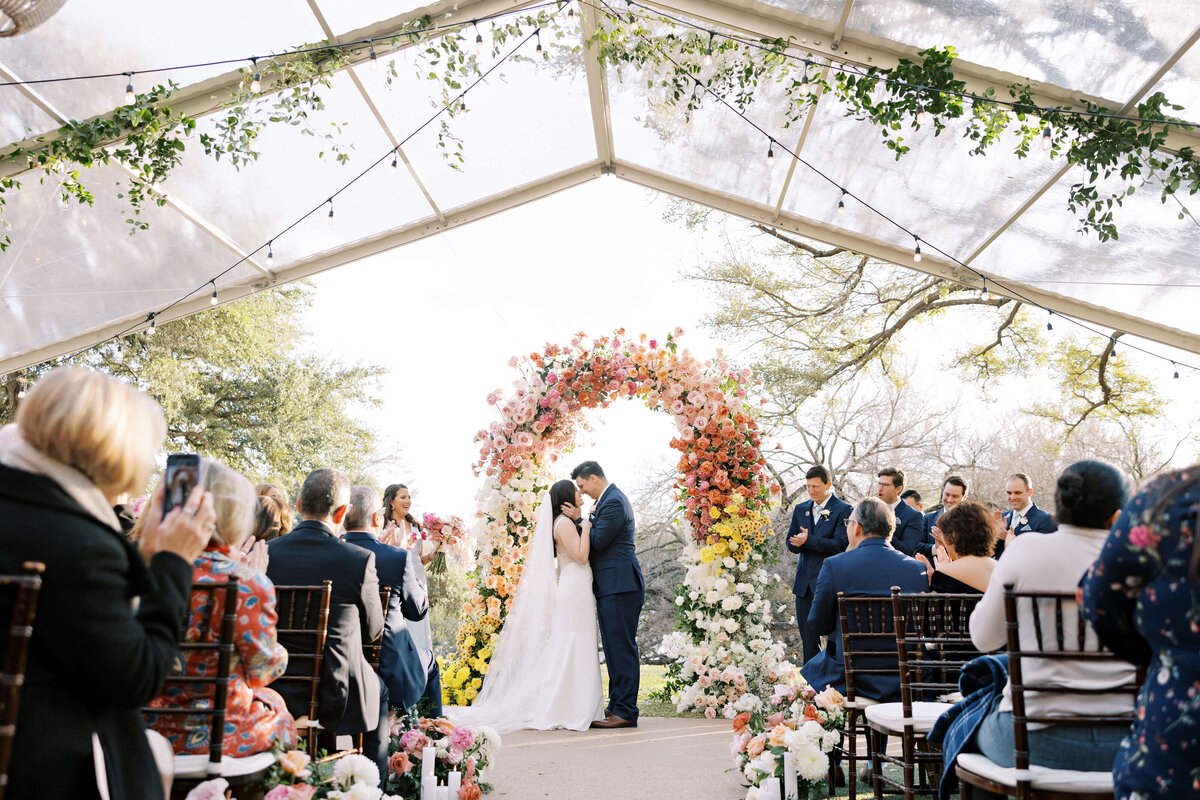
304,621
868,638
374,649
933,643
20,593
212,617
1084,649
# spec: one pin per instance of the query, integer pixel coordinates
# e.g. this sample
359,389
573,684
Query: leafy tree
236,384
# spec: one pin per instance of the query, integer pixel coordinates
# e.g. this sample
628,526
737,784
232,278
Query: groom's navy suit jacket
826,537
613,557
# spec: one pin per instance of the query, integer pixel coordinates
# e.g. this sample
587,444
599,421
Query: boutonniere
1023,521
824,513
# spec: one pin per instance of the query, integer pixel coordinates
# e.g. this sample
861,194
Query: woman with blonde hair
108,622
256,717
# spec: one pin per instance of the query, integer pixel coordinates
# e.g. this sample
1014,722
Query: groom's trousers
618,615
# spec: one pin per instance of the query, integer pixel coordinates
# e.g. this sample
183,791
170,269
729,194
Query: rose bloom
739,722
755,746
399,763
462,738
295,762
301,791
414,741
469,791
775,737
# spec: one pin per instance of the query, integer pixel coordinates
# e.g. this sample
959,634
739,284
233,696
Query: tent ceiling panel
19,117
72,269
255,203
121,35
523,122
1182,84
718,149
344,16
1150,272
937,190
1099,48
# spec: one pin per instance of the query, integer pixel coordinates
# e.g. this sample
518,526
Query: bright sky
445,314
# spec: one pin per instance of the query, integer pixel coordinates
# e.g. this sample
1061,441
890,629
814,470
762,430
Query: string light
256,81
153,325
984,295
1050,321
539,49
708,53
478,38
373,58
21,394
1046,137
922,114
842,203
270,254
771,154
329,219
212,301
1176,367
119,353
571,12
129,95
396,158
917,248
804,84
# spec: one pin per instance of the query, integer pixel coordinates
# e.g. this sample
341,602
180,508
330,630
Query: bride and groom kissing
545,671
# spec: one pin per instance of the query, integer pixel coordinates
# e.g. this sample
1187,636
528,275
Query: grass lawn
653,678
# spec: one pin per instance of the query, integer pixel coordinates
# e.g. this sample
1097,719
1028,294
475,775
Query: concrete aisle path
660,758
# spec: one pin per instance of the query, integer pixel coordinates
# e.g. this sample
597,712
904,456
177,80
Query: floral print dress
1140,600
256,718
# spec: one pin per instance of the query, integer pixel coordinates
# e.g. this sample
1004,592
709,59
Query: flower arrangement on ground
295,776
458,749
722,484
797,720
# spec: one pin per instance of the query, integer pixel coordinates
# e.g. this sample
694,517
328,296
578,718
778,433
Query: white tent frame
820,39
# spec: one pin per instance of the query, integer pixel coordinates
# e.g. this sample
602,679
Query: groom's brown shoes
613,721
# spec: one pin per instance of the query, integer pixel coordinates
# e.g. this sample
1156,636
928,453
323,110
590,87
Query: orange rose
399,763
755,746
740,721
295,762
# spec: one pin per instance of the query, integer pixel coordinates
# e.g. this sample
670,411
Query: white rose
679,601
731,626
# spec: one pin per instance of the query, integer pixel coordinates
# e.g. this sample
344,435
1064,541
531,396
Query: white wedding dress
545,672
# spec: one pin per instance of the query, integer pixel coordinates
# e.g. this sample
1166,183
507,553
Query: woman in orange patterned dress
257,718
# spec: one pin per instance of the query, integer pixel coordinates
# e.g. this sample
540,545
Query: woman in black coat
108,619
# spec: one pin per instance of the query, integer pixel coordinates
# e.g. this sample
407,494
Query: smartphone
183,473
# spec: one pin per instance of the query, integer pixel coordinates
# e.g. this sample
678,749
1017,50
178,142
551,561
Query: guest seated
869,568
969,534
407,664
256,718
352,700
286,519
1089,497
82,439
1142,597
268,521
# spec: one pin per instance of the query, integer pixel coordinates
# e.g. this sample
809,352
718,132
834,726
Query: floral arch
725,657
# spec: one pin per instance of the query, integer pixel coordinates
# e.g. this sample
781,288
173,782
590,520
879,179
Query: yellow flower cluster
735,532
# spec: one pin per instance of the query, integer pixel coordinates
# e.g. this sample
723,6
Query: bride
545,671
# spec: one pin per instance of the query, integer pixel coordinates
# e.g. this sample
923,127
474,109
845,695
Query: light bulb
922,114
771,154
1047,139
119,353
373,58
917,249
842,203
270,256
21,394
329,219
805,87
478,43
571,12
708,55
130,97
153,327
1050,321
1173,364
256,80
212,301
985,295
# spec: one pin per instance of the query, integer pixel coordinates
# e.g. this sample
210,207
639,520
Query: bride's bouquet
453,536
796,731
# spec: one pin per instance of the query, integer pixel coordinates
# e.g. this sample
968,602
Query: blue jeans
1057,747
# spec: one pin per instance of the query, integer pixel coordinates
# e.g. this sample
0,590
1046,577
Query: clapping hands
252,553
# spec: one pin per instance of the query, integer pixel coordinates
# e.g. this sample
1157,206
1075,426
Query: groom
620,591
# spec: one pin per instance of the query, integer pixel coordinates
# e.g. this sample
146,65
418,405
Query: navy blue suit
826,537
869,570
1036,521
910,536
620,592
402,667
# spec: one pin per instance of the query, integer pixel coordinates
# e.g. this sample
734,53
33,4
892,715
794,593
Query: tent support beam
321,262
902,256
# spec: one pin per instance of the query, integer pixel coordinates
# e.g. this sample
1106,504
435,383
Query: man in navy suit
408,671
869,568
620,592
818,530
910,537
352,699
1023,515
954,490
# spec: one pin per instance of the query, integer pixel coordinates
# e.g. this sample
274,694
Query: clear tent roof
75,276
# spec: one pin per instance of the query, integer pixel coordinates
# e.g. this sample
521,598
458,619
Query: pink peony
462,738
414,741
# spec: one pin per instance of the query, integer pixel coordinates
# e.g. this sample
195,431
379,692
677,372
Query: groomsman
1024,516
954,490
910,535
818,530
913,498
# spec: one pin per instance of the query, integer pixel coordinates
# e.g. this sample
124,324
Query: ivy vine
678,60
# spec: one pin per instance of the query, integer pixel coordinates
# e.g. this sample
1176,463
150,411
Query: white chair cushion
891,715
861,702
197,766
1044,778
